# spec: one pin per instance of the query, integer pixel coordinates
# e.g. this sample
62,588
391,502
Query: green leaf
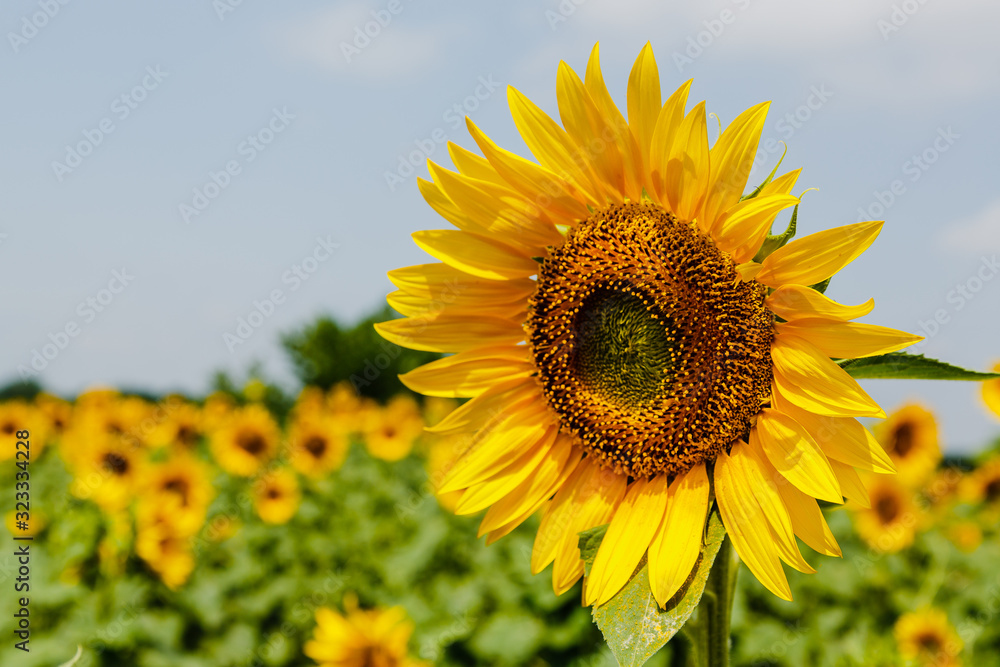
774,241
902,366
632,622
821,287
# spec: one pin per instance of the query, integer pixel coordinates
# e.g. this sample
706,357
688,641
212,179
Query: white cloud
977,234
362,39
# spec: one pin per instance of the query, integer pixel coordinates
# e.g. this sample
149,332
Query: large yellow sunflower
629,360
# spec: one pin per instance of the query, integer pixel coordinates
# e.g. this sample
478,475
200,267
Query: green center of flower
647,343
625,353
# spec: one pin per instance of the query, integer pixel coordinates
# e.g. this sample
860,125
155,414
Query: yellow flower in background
16,416
389,433
348,410
889,522
310,402
167,552
942,490
654,367
255,390
982,485
442,452
179,488
181,427
107,471
361,638
276,496
58,411
437,408
316,445
927,638
37,521
218,408
965,535
910,436
991,392
247,439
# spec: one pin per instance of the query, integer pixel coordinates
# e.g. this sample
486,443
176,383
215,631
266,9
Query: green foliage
325,353
903,366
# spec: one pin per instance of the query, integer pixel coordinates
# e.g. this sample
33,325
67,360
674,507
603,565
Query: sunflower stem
719,606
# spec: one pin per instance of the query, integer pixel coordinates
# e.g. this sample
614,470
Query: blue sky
169,169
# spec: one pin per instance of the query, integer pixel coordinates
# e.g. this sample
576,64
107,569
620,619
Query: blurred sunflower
927,638
107,472
389,433
632,265
991,392
181,428
37,522
315,444
891,521
181,487
370,638
910,436
965,535
167,552
218,408
58,412
15,416
347,408
247,439
982,485
276,496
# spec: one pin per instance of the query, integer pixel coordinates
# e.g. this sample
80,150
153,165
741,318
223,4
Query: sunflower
15,416
629,342
389,433
315,443
166,551
182,427
369,638
276,496
927,637
107,472
982,486
910,436
890,521
246,440
181,488
991,392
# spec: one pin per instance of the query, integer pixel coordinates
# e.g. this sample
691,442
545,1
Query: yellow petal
840,438
848,340
796,302
488,407
474,166
552,146
476,254
686,172
732,159
851,484
816,257
807,378
782,185
808,521
741,229
445,207
535,182
678,540
487,301
591,132
481,495
644,99
492,449
665,132
794,453
629,535
632,156
449,334
991,392
470,373
748,528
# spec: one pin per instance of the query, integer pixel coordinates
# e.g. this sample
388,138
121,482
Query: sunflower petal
629,535
808,521
794,453
732,159
748,528
851,484
474,166
668,122
481,495
848,340
796,302
677,543
644,99
488,407
471,372
476,254
447,284
744,226
449,334
816,257
807,378
686,173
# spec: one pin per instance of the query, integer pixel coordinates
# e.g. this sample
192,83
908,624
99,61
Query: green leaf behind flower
632,622
903,366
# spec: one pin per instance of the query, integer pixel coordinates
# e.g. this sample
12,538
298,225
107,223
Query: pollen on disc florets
647,344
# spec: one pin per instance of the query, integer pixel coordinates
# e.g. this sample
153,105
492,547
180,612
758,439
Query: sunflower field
252,528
